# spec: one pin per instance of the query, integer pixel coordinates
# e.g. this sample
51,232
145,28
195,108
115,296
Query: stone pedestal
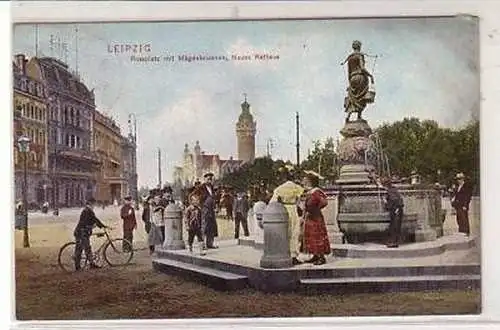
357,153
330,213
276,238
173,228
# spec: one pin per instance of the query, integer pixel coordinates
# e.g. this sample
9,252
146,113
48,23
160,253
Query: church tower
245,133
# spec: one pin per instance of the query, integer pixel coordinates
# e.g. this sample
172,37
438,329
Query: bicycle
109,246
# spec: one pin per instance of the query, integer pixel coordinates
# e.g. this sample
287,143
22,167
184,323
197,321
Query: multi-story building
195,164
129,166
71,107
107,139
30,119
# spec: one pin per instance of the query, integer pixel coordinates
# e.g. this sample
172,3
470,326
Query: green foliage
263,171
322,159
435,153
411,144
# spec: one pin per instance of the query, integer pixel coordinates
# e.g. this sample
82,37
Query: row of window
73,141
34,160
36,135
110,147
29,86
32,112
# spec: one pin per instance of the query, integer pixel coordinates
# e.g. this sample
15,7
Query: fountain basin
362,226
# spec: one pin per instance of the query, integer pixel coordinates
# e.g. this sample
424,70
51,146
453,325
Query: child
192,219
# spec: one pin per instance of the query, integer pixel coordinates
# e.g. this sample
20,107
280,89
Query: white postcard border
73,11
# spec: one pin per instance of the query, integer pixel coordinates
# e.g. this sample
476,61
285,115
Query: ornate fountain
359,212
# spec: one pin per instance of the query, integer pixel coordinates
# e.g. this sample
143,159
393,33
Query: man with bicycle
82,234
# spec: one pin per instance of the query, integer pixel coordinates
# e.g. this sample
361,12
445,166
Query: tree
423,146
322,159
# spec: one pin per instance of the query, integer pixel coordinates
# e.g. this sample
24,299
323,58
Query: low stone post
331,216
258,216
173,228
276,240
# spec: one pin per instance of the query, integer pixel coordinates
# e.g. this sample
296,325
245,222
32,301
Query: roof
245,114
58,76
208,160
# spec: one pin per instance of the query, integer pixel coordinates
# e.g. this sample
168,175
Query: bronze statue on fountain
361,215
358,91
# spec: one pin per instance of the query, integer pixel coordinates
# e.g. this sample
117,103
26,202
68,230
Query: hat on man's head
128,198
208,175
460,176
91,200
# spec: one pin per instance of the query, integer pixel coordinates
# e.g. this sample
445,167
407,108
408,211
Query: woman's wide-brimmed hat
313,174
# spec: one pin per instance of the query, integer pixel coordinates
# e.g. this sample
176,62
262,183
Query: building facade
196,163
30,119
71,109
107,143
245,132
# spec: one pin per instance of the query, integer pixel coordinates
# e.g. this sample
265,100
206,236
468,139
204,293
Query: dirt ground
44,292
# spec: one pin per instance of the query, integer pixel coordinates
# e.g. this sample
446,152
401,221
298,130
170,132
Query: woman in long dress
315,233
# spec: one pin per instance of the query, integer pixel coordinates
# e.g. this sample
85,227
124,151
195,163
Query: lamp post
23,144
132,124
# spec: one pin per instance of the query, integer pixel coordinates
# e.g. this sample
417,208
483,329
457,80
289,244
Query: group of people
304,203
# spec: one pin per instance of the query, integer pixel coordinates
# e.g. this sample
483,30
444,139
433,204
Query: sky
426,67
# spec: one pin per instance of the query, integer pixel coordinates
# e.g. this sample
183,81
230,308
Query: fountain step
413,250
391,284
217,279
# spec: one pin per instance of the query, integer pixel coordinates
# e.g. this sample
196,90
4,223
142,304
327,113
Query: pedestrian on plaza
127,213
158,208
315,233
394,204
82,234
240,214
193,222
206,192
146,213
460,202
157,230
289,193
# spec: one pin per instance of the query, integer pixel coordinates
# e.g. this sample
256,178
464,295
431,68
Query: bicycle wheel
66,258
118,252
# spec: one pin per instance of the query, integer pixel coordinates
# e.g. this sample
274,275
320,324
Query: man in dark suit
82,234
240,214
206,191
394,204
460,202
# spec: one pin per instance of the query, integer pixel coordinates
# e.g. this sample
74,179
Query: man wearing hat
240,214
83,231
206,192
394,204
127,213
460,202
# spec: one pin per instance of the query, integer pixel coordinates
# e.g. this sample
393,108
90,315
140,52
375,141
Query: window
41,138
72,116
78,142
78,118
73,141
67,140
65,119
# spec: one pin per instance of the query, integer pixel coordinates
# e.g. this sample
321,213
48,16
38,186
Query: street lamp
132,124
23,143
